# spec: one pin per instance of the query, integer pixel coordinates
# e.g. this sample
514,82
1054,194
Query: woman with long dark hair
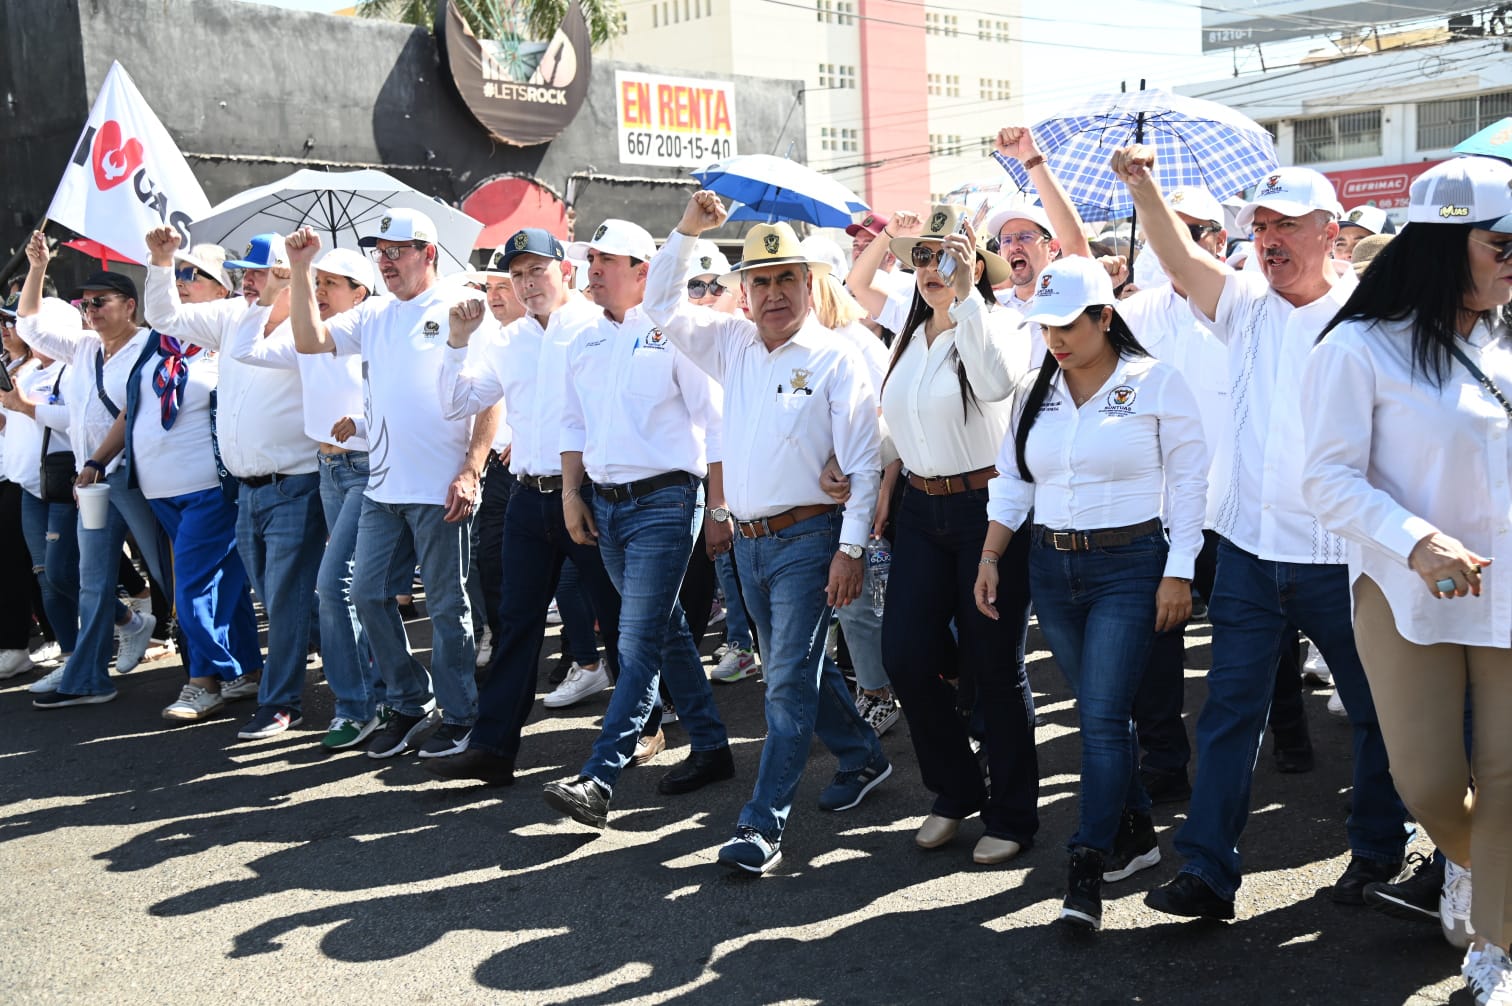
945,405
1106,451
1409,455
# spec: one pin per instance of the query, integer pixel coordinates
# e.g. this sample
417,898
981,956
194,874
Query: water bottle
878,562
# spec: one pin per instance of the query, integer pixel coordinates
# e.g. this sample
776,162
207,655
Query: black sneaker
1414,897
396,732
1134,849
447,739
1349,889
1082,908
1190,897
1166,787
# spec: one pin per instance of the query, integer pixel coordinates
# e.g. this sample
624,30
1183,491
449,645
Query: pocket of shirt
790,411
650,374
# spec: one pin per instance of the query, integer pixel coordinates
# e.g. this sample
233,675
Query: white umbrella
341,206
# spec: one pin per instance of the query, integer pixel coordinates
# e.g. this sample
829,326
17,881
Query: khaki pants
1420,699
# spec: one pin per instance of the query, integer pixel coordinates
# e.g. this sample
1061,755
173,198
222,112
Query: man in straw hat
794,395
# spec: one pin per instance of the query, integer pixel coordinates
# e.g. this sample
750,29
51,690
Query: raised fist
1133,164
704,212
1016,142
162,242
37,252
302,247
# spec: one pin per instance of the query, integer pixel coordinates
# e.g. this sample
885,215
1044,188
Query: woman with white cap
1408,455
945,403
1106,449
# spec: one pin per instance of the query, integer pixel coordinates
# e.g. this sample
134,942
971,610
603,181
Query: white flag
127,175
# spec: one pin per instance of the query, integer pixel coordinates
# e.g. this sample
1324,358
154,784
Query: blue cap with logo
263,252
529,241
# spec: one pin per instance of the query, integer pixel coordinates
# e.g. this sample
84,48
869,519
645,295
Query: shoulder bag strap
1479,375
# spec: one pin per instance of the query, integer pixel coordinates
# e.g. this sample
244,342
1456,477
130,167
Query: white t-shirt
181,460
23,434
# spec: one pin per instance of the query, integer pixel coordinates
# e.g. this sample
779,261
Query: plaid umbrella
1196,142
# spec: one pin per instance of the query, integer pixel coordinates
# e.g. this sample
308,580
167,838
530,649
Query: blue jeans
53,541
87,671
1097,611
783,578
389,537
1253,601
210,584
645,544
280,532
579,641
348,659
737,622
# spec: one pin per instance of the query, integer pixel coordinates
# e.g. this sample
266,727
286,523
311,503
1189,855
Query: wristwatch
719,514
852,551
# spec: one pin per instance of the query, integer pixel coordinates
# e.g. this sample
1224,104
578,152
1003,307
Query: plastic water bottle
878,562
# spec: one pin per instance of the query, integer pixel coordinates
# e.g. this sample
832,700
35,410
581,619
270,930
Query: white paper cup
94,505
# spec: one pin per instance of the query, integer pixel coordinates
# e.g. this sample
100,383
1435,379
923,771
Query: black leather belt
258,481
632,490
542,483
1082,541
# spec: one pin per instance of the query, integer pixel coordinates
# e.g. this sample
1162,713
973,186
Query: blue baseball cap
263,252
529,241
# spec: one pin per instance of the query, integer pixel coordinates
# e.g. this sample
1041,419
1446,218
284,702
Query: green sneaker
345,733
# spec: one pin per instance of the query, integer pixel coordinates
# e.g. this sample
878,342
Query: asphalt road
146,864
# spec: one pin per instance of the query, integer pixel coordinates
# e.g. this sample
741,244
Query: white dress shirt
259,413
925,421
634,406
1257,466
1391,459
88,420
22,462
181,460
525,366
331,385
785,410
873,351
414,450
1133,451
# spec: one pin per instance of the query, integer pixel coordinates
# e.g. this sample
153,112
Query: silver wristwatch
852,551
719,514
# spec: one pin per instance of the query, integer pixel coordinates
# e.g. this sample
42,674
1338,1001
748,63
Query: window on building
988,145
825,11
685,11
936,141
847,77
992,31
934,83
952,86
845,13
655,17
622,21
825,141
1338,137
1442,124
931,23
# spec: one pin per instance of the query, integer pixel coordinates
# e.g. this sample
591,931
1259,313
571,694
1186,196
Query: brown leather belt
768,526
1082,541
542,483
949,485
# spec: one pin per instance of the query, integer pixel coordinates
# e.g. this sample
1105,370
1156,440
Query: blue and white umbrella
1493,141
1196,142
775,188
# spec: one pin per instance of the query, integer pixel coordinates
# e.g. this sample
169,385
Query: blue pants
53,541
737,622
210,584
349,667
1253,601
783,578
645,544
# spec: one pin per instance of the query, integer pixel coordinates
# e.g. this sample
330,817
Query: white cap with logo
1018,209
1465,190
616,237
1367,218
353,265
1066,288
1197,203
401,224
707,260
1291,192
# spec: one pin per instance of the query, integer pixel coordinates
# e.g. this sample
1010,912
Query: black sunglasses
96,302
922,256
700,288
189,274
1199,231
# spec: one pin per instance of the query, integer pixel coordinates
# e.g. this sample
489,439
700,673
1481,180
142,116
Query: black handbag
58,472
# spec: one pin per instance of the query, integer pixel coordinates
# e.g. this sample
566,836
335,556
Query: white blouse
1133,451
1391,459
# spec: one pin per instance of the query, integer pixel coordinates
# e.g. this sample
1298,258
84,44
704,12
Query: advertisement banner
1384,187
674,121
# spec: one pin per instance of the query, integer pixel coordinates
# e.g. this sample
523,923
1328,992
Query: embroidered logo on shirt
1120,401
800,379
431,329
655,339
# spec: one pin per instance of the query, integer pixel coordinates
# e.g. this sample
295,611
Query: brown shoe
648,748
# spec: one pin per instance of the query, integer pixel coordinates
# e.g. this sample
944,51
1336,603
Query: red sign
1384,187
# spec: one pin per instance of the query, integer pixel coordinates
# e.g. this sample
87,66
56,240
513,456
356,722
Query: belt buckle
758,528
944,481
1063,541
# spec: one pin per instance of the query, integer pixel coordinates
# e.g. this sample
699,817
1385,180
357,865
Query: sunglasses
1503,250
189,274
1199,231
923,256
96,302
700,288
393,252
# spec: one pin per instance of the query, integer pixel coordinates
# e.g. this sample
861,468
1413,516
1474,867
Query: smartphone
947,265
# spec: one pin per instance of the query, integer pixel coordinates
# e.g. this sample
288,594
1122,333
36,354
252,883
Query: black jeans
18,585
498,484
938,542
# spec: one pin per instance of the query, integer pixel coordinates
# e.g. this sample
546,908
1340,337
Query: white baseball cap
1291,192
355,266
208,259
401,224
1367,218
1465,190
707,260
1197,203
1066,288
1018,210
616,237
821,249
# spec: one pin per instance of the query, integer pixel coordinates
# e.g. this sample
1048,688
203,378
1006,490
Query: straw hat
944,220
771,244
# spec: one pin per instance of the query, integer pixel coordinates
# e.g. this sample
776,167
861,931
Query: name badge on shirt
1120,401
430,333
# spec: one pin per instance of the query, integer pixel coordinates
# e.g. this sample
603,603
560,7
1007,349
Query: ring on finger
1446,585
1474,569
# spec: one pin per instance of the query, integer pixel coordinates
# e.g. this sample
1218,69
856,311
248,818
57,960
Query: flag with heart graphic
126,175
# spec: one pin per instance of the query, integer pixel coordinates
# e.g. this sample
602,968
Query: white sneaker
47,655
1454,906
735,665
1336,705
49,683
1488,975
241,687
579,684
14,662
134,641
1314,671
194,703
485,647
553,616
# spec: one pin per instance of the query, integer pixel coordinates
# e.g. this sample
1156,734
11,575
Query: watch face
854,551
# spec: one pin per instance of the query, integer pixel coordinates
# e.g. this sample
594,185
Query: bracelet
991,552
571,494
987,561
92,463
1034,162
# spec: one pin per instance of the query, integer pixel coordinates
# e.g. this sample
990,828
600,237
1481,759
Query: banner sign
674,121
523,92
127,175
1384,187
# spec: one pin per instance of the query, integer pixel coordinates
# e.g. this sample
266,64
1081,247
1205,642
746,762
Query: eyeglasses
1021,237
1199,231
1503,250
701,288
189,274
393,252
96,302
923,256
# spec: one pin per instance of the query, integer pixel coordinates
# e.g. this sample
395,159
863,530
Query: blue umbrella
774,188
1493,141
1197,143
